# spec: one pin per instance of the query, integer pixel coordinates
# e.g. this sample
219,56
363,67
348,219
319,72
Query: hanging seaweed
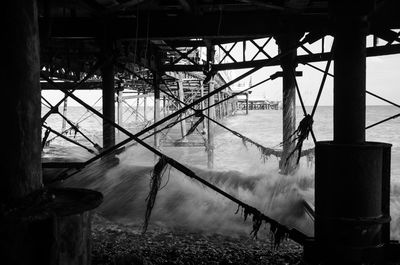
257,221
301,134
264,151
155,183
278,234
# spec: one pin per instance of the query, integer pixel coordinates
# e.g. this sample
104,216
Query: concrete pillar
156,107
288,64
107,75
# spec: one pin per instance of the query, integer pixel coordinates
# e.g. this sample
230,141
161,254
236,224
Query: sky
383,77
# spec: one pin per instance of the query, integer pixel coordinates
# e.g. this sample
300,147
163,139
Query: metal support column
288,64
34,221
351,227
107,75
21,164
211,113
182,99
157,110
247,103
65,109
119,108
349,82
145,107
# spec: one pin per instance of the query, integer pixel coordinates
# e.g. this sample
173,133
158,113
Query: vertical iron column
107,75
288,64
351,227
156,107
349,82
211,112
247,103
183,115
120,107
145,106
65,109
21,164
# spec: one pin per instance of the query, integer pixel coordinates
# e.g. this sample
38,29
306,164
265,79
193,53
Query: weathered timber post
182,99
288,64
37,225
107,75
353,227
211,112
157,102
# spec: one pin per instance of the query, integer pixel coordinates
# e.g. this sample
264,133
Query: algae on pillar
286,42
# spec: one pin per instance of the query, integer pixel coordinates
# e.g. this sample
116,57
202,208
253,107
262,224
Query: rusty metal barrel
352,189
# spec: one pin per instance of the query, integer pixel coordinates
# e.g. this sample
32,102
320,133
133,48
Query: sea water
238,169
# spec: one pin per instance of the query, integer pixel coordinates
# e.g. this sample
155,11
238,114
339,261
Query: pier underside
163,71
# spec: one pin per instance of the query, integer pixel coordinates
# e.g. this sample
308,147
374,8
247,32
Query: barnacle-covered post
352,179
286,42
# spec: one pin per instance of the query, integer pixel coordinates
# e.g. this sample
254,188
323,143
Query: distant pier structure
257,104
